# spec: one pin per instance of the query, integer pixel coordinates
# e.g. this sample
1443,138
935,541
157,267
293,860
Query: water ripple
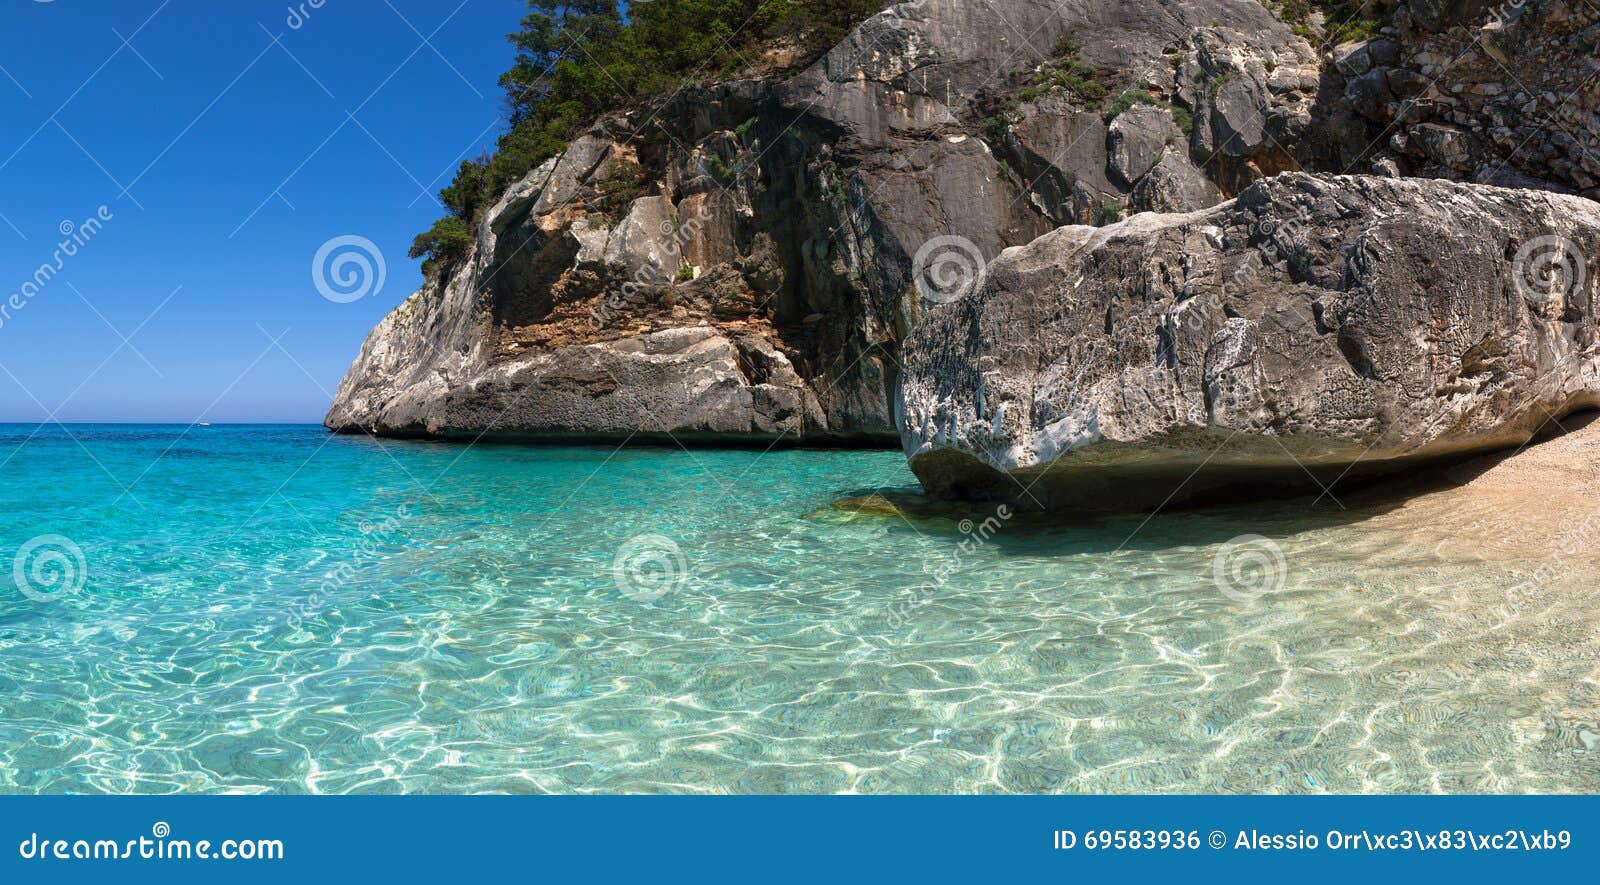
281,612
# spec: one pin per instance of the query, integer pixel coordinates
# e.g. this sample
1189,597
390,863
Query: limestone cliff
742,261
745,261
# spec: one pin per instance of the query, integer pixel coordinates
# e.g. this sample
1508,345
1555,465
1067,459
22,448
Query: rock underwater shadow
1197,523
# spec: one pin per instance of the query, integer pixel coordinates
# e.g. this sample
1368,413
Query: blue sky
224,161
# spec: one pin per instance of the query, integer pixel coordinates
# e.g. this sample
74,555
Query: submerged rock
900,505
1314,330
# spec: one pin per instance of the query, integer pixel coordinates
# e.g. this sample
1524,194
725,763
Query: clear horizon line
171,423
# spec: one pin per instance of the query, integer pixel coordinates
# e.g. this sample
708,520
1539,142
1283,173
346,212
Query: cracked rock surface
1317,329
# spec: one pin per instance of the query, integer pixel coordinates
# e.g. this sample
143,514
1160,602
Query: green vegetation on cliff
1343,20
577,60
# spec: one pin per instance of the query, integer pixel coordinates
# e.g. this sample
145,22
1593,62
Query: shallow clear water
278,609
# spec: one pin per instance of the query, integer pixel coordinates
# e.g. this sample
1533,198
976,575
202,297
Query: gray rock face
645,244
1138,138
689,383
1314,330
783,217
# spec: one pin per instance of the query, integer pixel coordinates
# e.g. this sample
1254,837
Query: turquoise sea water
252,609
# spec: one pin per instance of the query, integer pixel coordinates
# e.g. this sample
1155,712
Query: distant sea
277,609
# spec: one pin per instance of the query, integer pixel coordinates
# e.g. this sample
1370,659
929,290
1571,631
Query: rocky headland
1050,246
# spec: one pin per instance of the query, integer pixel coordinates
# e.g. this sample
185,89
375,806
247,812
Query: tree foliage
442,245
576,60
